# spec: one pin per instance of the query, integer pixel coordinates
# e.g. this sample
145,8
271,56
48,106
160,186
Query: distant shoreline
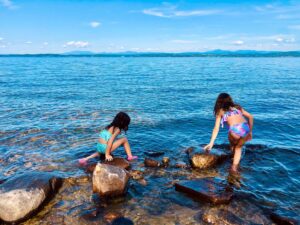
214,53
154,56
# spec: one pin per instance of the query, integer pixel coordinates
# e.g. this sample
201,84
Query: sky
56,26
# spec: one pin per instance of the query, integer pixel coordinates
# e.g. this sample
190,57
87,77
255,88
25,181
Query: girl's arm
250,119
116,132
214,133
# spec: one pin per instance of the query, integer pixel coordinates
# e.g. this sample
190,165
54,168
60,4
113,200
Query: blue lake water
52,109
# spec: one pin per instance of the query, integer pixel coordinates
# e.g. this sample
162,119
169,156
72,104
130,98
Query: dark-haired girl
239,129
107,139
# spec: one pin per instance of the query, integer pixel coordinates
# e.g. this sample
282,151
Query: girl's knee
124,140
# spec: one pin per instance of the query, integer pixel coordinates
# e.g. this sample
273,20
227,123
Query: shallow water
53,108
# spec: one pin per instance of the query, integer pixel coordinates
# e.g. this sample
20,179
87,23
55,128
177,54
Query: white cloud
95,24
171,11
285,39
183,41
28,42
77,44
2,46
7,4
1,39
294,27
45,43
238,42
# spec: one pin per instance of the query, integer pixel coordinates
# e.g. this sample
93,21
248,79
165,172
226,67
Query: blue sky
44,26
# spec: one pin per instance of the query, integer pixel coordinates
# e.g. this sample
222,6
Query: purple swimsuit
240,129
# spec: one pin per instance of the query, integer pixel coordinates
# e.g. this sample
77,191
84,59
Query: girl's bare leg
233,141
237,155
122,141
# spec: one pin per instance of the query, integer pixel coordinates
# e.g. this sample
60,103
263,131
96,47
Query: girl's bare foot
82,161
129,158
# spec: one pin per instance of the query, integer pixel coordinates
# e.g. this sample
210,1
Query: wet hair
121,120
225,102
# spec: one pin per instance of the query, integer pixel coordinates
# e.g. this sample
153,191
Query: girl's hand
208,147
108,158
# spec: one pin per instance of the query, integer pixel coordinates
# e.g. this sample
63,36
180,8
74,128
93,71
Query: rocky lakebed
193,187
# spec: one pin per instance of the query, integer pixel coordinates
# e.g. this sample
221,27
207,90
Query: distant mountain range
213,53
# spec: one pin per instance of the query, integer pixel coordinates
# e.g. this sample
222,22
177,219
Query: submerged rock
165,161
24,195
119,162
221,216
211,190
110,180
278,219
111,216
151,163
136,174
181,165
154,153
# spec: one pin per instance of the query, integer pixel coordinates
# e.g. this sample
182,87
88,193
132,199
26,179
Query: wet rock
281,220
154,153
221,216
110,180
143,182
90,167
211,190
189,150
111,216
165,161
151,163
24,195
119,162
136,174
181,165
203,160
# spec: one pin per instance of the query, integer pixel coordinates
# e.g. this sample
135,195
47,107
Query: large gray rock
110,180
22,196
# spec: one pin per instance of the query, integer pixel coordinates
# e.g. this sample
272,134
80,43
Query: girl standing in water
239,129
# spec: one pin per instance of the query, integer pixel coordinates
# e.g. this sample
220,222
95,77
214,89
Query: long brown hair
121,120
225,102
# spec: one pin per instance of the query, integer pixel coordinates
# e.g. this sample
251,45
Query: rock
136,174
143,182
111,216
189,150
154,153
90,167
166,161
211,190
24,195
119,162
151,163
110,180
203,160
281,220
181,165
221,216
